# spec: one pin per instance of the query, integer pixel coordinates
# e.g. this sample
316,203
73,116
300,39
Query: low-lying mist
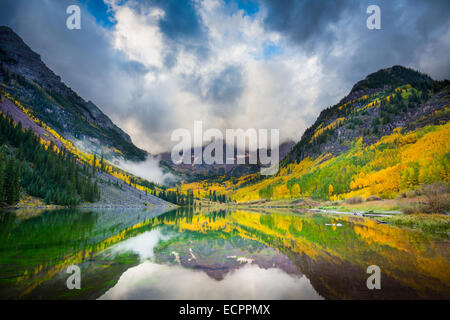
148,169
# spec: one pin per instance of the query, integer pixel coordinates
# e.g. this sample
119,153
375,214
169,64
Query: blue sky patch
270,49
249,7
99,10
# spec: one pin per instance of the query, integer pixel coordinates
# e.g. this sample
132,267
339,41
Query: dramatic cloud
307,21
157,65
414,33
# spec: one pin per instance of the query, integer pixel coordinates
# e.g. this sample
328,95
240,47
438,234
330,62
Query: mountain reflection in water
242,254
158,281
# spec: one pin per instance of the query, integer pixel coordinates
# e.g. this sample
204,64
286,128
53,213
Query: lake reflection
182,254
157,281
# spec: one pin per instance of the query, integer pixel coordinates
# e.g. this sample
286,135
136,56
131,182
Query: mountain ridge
46,94
348,115
199,171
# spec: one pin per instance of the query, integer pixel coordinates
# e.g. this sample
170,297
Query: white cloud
138,35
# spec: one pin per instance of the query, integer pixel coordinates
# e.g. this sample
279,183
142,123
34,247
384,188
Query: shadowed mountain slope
27,78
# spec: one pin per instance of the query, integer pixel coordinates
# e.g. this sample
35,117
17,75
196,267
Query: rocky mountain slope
115,186
384,100
28,79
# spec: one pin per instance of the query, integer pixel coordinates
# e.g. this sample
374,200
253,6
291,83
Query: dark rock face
18,59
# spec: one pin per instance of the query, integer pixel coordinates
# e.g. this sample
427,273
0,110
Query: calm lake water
187,254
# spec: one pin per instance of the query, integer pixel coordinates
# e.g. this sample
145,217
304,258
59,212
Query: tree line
42,171
176,197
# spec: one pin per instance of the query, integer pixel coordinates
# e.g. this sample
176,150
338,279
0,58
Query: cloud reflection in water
155,281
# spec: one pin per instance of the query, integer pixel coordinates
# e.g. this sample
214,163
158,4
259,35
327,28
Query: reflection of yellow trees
204,225
333,224
413,252
50,269
403,255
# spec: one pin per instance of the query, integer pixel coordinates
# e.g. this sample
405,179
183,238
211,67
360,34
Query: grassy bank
432,224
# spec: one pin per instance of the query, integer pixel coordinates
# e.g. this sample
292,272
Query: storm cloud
413,33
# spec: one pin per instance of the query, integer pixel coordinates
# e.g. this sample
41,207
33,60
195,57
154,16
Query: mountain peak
394,76
17,57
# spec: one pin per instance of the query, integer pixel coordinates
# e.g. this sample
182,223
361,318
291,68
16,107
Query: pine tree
2,176
93,165
102,164
12,183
